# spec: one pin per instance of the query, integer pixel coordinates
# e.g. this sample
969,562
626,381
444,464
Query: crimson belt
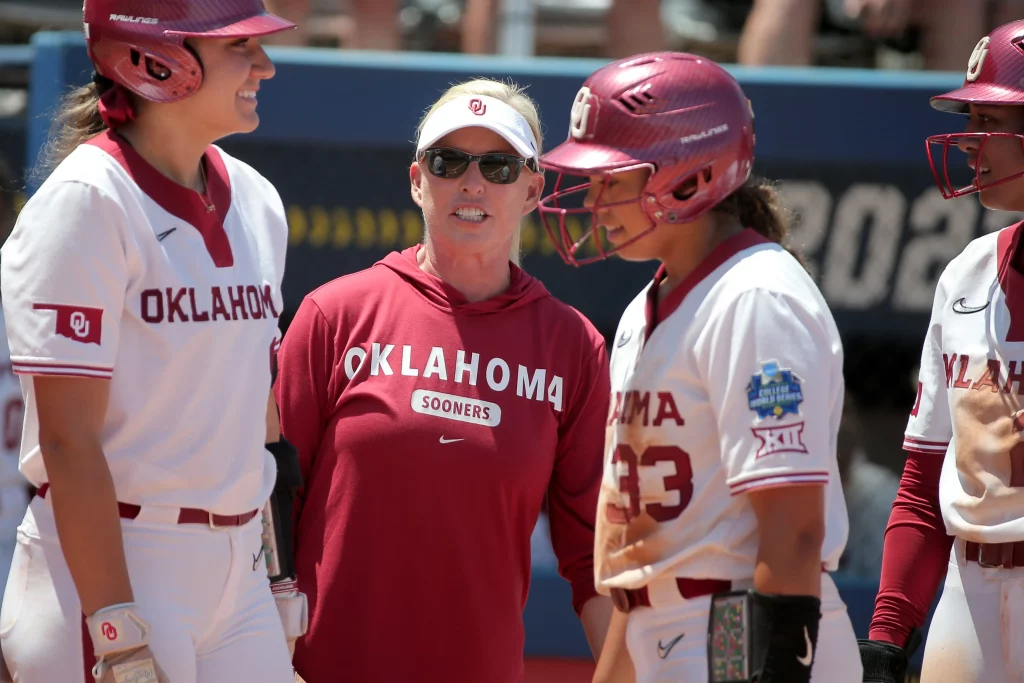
996,555
626,599
185,515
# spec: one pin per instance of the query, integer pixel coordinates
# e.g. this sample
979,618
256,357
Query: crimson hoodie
429,430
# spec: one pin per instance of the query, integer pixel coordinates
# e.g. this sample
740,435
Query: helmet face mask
940,165
680,115
572,237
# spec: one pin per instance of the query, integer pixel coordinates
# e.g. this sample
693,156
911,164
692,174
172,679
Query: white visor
479,110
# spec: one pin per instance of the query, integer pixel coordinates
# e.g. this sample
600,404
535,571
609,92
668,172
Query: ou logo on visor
977,59
583,117
477,107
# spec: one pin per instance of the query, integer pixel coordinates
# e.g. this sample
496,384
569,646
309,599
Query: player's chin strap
278,542
762,638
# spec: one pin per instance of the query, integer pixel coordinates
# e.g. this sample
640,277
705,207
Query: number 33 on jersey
731,383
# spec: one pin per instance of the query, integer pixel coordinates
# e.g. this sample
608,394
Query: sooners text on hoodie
429,430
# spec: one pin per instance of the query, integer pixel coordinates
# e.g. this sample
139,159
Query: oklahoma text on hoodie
429,430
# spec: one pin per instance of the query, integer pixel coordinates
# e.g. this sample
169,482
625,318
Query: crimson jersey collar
177,200
655,313
1011,280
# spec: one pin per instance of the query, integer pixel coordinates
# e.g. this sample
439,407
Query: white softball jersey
113,271
731,384
968,409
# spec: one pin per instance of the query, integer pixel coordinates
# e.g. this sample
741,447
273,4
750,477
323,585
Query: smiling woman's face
226,102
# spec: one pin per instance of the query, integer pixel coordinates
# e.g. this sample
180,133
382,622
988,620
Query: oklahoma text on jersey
986,375
538,385
242,303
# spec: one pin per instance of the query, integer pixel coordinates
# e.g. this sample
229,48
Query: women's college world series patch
774,392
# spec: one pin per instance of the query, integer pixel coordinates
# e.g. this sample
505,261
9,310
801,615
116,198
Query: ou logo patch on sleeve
583,118
77,323
977,59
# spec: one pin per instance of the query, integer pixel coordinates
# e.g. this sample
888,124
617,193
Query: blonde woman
435,398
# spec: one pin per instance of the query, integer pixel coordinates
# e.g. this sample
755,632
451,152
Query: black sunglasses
496,167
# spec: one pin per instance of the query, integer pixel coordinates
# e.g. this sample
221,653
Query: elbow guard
289,476
278,525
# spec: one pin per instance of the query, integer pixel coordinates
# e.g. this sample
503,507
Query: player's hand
132,666
883,662
120,639
298,678
882,18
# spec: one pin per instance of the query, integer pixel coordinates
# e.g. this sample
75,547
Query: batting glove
293,610
887,663
120,639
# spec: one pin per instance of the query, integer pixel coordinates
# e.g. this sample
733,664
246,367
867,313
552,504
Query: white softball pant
977,633
650,631
204,592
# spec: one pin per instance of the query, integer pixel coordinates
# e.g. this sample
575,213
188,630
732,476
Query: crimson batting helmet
140,44
681,116
995,76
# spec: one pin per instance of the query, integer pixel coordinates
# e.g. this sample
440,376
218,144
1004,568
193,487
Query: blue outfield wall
13,121
847,145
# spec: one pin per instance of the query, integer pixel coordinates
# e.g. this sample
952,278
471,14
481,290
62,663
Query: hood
523,288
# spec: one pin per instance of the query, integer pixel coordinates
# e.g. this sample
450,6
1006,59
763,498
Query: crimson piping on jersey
656,313
176,199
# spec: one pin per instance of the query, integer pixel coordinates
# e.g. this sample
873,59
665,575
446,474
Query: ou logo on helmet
977,59
583,117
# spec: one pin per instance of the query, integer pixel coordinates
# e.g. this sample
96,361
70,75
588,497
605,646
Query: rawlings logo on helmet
710,132
583,107
134,20
977,59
